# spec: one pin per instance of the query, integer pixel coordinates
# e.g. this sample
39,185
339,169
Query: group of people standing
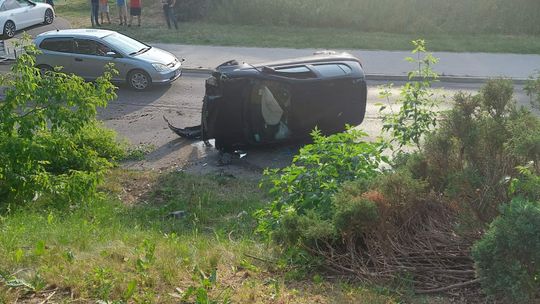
101,8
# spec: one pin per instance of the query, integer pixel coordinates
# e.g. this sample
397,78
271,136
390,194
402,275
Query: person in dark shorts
168,10
94,17
135,7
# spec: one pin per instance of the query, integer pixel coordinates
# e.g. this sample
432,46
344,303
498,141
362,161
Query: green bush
532,88
50,141
354,214
479,144
508,256
307,186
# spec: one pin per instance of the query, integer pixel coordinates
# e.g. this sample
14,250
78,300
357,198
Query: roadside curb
382,77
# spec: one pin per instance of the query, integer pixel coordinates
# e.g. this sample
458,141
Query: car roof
86,33
236,69
323,57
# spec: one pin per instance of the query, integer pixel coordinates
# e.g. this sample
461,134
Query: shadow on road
129,101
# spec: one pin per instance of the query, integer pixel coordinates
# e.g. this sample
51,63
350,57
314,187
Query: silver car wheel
49,16
139,80
9,29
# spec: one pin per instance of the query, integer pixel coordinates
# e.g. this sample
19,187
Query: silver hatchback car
86,52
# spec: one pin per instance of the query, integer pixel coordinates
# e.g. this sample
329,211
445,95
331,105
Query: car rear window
299,72
333,69
64,45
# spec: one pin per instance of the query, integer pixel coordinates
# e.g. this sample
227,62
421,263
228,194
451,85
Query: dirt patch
130,186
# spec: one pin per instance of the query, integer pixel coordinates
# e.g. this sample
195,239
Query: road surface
137,117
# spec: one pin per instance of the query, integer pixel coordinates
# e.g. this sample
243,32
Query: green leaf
40,248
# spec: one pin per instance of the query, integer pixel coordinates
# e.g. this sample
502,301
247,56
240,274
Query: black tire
9,29
48,18
139,80
43,68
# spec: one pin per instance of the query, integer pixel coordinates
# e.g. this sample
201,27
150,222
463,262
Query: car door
90,58
31,14
14,12
57,52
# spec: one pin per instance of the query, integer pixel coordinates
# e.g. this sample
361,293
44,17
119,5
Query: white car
19,14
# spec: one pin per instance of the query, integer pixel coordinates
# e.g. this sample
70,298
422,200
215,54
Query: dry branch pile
416,243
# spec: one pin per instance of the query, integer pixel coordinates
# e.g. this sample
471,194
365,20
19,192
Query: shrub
417,114
479,144
532,88
50,141
508,256
315,175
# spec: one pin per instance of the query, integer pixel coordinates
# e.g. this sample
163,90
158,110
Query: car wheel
49,17
139,80
9,29
43,68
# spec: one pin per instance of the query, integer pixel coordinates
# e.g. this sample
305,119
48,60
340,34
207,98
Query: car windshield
126,44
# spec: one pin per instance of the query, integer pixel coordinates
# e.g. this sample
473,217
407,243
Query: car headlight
161,67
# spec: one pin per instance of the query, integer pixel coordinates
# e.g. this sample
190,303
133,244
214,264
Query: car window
90,47
300,72
9,5
64,45
124,44
23,3
332,70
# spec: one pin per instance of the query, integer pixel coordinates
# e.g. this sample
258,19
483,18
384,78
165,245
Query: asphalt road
137,117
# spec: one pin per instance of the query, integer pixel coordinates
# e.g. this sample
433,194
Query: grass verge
155,30
129,249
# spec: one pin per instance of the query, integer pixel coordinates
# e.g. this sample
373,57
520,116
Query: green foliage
201,292
394,16
188,10
306,187
532,88
400,188
526,185
102,281
354,214
508,256
480,142
50,142
417,114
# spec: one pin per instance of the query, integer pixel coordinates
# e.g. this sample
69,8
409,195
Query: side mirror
113,54
183,59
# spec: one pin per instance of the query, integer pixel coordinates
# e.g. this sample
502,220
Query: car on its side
282,101
19,14
87,52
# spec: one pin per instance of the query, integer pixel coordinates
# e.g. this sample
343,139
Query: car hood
155,55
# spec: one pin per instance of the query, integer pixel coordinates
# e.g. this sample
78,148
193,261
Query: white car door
14,12
32,14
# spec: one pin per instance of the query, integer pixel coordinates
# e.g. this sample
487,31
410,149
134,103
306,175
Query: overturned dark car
282,101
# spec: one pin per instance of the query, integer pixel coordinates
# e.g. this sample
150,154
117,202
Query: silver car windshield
125,44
